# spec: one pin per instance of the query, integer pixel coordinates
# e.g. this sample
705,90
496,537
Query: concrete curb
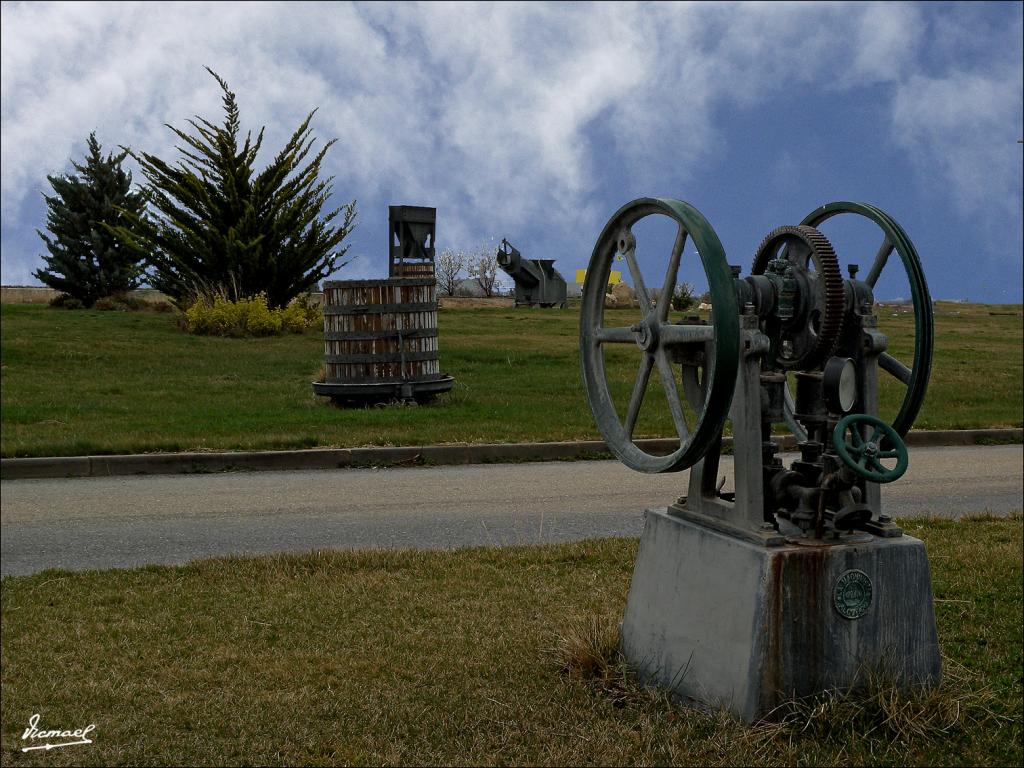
338,458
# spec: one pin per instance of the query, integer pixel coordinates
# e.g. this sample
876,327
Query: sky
537,121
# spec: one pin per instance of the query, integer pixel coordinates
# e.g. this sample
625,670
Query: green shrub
228,317
301,315
64,301
259,320
120,302
196,318
682,297
293,319
218,316
109,304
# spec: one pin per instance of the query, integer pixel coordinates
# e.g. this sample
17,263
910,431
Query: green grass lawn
475,656
107,382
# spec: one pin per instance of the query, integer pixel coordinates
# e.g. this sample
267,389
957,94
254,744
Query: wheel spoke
670,334
637,398
854,450
888,454
890,364
665,300
638,280
874,435
675,405
615,336
858,440
884,251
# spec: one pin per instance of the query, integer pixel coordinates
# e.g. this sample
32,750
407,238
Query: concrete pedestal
722,622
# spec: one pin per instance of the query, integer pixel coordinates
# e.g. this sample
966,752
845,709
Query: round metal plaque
852,594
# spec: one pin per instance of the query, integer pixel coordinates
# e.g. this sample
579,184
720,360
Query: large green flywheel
894,239
655,338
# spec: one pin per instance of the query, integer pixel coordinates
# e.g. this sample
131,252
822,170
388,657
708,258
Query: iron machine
538,283
794,580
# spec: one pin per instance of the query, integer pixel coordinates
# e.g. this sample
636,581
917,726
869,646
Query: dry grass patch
477,656
877,708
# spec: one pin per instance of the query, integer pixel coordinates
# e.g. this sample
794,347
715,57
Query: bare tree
448,267
484,267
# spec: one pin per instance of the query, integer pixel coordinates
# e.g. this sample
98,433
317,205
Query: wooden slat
364,321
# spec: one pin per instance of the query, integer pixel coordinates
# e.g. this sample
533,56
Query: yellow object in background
614,277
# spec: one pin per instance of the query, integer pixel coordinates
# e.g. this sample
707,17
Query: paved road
129,521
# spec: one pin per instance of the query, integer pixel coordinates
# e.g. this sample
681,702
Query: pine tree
221,228
87,258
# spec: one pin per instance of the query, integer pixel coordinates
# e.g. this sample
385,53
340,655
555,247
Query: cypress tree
220,227
87,260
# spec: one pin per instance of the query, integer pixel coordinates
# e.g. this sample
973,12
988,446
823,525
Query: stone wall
21,294
455,302
32,294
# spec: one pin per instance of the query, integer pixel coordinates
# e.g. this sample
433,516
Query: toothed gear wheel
811,346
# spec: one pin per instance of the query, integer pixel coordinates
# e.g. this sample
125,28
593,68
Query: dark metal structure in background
411,231
537,281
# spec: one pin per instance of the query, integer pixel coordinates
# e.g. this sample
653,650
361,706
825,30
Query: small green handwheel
864,456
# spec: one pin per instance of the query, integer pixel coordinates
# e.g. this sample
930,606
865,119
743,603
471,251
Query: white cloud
960,129
963,127
489,112
888,39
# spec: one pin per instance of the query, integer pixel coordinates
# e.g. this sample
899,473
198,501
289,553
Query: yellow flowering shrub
250,317
259,320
